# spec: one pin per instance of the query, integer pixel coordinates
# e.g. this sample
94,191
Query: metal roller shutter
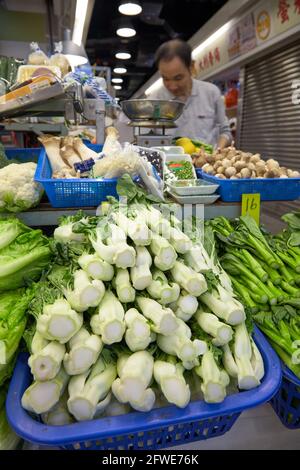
269,120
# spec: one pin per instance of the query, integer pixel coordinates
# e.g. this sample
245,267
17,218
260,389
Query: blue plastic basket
23,155
286,402
75,192
159,428
270,189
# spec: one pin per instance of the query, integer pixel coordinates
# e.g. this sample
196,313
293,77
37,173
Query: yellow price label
251,206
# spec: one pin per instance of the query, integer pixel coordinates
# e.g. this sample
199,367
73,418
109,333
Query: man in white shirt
204,115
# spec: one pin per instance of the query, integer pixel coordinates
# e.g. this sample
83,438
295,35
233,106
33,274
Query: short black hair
174,48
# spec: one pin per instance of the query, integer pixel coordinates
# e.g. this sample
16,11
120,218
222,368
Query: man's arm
223,141
225,136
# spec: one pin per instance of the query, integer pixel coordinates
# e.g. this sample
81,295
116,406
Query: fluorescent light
117,80
123,55
130,8
126,32
154,86
117,87
120,70
211,39
80,15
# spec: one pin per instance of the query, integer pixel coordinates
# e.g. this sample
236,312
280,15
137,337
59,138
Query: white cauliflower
18,190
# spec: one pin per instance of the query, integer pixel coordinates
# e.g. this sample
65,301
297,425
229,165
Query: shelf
45,215
50,100
35,127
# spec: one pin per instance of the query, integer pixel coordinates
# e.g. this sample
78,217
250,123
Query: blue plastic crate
159,428
75,192
270,189
286,402
23,155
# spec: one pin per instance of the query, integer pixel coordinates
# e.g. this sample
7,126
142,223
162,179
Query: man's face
176,77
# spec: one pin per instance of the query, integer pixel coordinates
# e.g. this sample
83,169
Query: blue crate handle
136,422
288,374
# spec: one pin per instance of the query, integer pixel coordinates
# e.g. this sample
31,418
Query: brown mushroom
255,158
251,166
229,172
271,164
226,163
239,165
217,164
245,173
221,176
208,168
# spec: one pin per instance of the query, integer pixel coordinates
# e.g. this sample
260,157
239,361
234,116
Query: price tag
251,206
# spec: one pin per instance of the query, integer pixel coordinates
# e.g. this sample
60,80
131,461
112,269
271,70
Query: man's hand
223,142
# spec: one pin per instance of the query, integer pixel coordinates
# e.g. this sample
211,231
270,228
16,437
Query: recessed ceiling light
117,80
123,55
120,70
126,32
131,8
117,87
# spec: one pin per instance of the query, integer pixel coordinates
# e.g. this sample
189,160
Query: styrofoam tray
171,149
205,199
192,187
179,158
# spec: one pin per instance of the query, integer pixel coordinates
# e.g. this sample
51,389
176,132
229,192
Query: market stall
130,424
143,302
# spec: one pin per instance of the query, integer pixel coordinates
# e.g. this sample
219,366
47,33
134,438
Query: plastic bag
37,56
60,59
111,145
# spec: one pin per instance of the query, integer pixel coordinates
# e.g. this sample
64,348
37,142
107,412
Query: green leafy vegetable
23,260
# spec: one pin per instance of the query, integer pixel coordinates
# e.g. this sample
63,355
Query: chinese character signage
234,42
266,20
211,59
283,11
247,33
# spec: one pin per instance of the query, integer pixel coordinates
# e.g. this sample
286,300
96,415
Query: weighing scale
152,119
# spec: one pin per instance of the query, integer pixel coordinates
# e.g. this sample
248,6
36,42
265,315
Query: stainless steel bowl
152,110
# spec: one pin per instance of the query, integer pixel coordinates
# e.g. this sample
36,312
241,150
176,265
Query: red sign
206,61
297,6
210,59
283,11
217,54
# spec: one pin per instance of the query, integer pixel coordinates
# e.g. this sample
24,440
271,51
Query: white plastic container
205,199
192,187
171,149
181,157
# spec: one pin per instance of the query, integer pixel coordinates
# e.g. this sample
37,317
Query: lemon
186,144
